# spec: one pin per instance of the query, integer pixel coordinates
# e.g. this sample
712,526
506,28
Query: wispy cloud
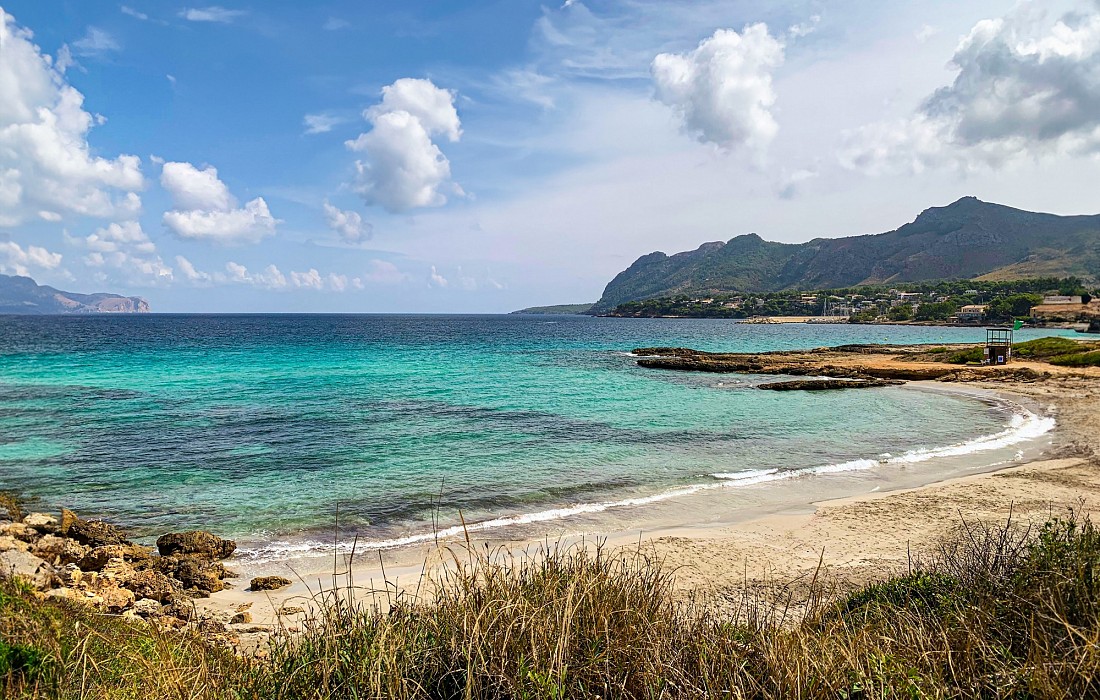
134,13
95,42
333,24
213,13
321,123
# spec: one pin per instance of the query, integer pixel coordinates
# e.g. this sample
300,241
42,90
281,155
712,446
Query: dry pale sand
859,537
853,538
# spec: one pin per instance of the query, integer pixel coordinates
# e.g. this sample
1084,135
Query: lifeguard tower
998,346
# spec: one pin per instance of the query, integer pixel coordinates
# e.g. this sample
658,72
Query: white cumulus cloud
722,90
403,168
46,163
433,107
1024,87
126,247
16,260
348,224
192,188
206,210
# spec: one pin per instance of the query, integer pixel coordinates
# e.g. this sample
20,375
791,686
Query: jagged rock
67,519
241,618
269,583
153,585
146,607
43,522
290,610
61,594
59,550
21,531
29,568
181,611
70,575
9,543
98,557
117,569
115,598
195,543
96,533
198,576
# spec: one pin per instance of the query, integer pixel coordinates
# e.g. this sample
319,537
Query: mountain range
969,239
22,295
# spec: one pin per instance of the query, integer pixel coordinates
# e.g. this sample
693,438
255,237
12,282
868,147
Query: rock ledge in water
828,384
197,543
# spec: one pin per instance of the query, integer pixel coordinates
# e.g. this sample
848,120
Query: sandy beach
853,538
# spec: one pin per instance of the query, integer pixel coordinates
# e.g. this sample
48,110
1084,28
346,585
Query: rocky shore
890,363
93,563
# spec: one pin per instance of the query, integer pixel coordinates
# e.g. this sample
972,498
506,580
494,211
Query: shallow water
261,427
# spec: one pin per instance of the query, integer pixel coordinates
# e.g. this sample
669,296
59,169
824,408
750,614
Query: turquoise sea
260,427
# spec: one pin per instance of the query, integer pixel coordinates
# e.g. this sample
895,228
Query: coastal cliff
22,295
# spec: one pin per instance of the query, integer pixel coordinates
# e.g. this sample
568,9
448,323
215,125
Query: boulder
8,543
197,543
197,576
98,557
290,610
43,522
67,519
21,531
24,565
269,583
241,618
115,598
70,575
146,607
59,550
96,533
153,585
183,610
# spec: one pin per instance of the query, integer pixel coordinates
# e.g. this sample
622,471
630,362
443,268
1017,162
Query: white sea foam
1023,426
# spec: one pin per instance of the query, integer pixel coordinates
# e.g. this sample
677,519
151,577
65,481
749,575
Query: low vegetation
1065,352
998,612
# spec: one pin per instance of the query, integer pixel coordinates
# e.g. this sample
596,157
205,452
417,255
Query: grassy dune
997,612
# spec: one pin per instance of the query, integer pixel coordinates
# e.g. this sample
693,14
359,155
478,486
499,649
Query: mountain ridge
967,239
22,295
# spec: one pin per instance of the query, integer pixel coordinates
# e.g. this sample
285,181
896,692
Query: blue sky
484,156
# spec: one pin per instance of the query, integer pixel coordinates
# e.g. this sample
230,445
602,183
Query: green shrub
1084,359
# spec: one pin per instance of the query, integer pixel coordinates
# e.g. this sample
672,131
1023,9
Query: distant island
559,309
967,240
22,295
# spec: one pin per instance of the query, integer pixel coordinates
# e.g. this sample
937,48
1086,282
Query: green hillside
967,239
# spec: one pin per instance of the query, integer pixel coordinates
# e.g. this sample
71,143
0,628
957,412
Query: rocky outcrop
828,384
269,583
96,533
24,566
197,543
91,562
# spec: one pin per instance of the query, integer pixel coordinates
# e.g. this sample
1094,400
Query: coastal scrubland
1003,610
